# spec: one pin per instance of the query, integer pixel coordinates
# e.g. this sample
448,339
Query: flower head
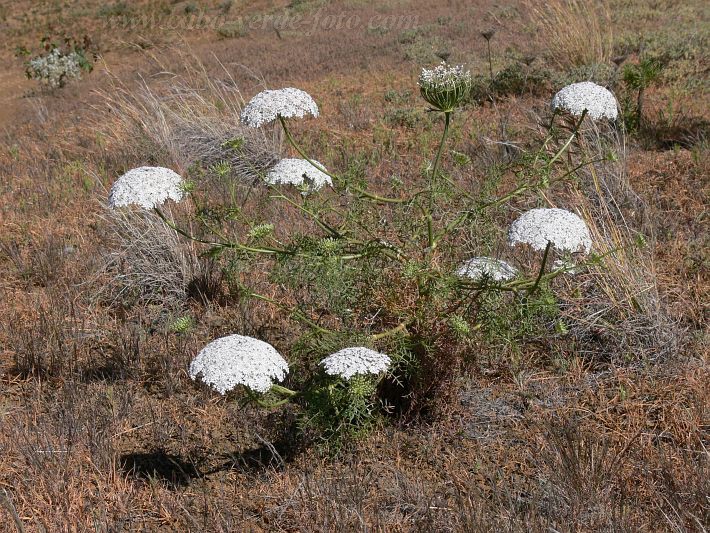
349,362
445,87
268,105
238,360
147,187
564,230
479,267
298,172
55,68
598,101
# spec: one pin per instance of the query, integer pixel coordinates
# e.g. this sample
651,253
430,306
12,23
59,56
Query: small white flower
444,76
566,231
147,187
479,267
445,87
349,362
268,105
598,101
238,360
298,172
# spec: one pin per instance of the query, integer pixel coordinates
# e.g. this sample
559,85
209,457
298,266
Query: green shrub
637,78
232,30
58,64
118,9
514,80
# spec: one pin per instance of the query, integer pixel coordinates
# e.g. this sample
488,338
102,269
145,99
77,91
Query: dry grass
147,261
100,428
574,32
158,464
189,118
619,304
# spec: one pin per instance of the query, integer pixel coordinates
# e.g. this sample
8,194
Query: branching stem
335,177
575,132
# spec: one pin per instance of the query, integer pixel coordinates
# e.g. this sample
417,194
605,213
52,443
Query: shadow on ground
159,465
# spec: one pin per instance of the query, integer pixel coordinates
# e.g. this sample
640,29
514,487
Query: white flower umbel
445,87
268,105
349,362
298,172
479,267
598,101
238,360
566,231
55,68
147,187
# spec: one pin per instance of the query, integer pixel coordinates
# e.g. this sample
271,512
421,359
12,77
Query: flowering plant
55,67
370,276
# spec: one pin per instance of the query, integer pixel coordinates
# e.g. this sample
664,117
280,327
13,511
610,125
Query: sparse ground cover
584,410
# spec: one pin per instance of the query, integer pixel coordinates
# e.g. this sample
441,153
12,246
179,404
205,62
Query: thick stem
569,141
221,244
552,120
400,328
490,61
327,227
271,405
280,389
542,268
437,159
512,194
432,180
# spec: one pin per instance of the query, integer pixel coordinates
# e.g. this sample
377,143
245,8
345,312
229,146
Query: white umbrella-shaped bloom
238,360
298,172
445,87
147,187
349,362
598,101
268,105
566,231
479,267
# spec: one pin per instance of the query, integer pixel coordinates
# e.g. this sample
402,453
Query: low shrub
363,273
58,65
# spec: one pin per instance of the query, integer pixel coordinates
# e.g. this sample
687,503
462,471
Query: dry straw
623,301
576,32
188,120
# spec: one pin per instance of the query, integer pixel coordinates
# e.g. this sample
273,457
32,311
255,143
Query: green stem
552,120
432,181
220,244
569,141
542,268
334,177
279,389
401,327
334,232
512,194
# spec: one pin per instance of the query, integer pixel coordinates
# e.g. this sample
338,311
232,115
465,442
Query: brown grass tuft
189,119
574,32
